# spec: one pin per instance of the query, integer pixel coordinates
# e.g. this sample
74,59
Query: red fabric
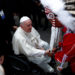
72,65
68,42
60,44
64,29
56,23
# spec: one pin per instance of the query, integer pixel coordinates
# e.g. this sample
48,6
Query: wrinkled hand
15,27
47,52
59,68
54,49
42,48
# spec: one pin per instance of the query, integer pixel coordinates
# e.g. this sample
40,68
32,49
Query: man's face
27,26
1,59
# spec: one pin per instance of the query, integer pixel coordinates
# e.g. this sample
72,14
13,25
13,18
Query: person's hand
59,68
15,27
42,48
47,52
54,49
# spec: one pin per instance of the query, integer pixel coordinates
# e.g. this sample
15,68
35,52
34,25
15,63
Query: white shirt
1,70
28,44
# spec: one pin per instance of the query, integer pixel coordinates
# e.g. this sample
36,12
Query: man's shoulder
35,32
17,33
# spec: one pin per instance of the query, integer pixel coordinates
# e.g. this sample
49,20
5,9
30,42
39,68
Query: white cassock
1,70
29,44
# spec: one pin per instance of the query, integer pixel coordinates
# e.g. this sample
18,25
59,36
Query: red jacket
68,47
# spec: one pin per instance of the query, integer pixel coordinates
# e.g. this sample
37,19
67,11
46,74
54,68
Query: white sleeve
29,50
41,43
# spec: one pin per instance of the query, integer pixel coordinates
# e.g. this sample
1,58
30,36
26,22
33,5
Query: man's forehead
27,22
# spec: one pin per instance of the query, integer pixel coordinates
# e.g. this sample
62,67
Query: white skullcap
24,18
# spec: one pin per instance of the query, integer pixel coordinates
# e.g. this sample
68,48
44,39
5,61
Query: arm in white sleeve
41,43
29,50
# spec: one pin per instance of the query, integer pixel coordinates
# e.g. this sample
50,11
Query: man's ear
21,25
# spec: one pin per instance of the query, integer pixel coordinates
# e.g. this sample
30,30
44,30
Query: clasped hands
47,52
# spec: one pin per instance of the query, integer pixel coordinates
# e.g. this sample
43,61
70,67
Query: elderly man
27,41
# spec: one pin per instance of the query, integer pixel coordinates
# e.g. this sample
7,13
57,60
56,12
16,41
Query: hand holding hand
47,52
54,49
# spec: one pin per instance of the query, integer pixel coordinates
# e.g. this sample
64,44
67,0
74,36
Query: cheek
2,60
27,29
31,26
